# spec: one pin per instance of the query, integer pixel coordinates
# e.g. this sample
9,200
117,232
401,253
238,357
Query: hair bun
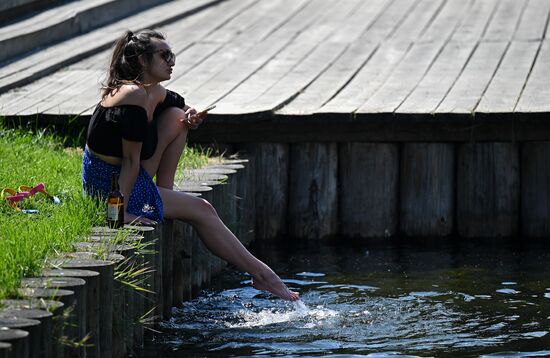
130,36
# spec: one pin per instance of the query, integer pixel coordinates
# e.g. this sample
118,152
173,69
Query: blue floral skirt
145,198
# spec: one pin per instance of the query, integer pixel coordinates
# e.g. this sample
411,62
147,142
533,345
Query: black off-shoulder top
109,125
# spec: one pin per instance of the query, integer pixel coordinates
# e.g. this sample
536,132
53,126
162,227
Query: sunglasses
166,55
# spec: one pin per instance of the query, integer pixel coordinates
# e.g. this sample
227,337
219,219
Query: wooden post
76,329
149,262
313,199
158,248
200,263
182,261
123,249
202,258
44,349
126,296
92,304
31,326
62,328
488,190
223,201
50,314
5,350
245,201
19,341
106,281
427,189
368,195
271,163
535,189
187,255
224,195
122,296
167,261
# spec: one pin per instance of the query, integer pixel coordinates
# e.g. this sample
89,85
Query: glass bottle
115,205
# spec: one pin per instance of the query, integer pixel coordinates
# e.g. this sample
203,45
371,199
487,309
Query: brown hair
125,67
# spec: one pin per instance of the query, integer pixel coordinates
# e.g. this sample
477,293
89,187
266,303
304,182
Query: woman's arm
129,171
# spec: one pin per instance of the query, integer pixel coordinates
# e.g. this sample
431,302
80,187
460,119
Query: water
470,300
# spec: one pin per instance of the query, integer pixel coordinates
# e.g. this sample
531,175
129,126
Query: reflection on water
375,302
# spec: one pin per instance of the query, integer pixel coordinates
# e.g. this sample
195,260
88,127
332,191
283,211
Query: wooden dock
315,61
452,94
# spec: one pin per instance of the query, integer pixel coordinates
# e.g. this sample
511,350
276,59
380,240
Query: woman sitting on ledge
138,130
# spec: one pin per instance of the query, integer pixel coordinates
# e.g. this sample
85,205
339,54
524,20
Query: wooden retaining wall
376,190
94,312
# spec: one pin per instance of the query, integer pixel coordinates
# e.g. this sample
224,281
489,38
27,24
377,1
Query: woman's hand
137,220
193,118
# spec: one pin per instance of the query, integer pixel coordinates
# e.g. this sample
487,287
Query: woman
139,130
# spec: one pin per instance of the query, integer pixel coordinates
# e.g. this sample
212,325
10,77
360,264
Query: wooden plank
438,80
503,92
281,79
271,163
38,91
244,19
200,26
427,183
73,100
65,91
243,46
331,81
468,89
417,20
488,190
10,102
403,79
284,18
48,17
505,20
533,22
389,20
446,20
359,21
286,87
33,92
260,57
192,57
534,97
371,76
475,21
368,197
313,190
379,128
535,189
70,51
234,72
98,61
90,93
274,70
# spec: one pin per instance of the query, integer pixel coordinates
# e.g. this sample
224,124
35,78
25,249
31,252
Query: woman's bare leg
221,241
172,134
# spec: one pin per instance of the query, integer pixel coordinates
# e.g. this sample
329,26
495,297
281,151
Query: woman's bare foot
269,281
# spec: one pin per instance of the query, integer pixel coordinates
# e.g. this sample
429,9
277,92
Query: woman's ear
142,61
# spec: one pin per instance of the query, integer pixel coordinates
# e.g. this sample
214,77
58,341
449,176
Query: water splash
298,314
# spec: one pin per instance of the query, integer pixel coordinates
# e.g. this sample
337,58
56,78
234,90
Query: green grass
27,240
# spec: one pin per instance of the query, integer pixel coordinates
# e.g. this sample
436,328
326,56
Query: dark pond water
403,299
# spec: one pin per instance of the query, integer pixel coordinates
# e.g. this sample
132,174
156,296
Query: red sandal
14,197
39,188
